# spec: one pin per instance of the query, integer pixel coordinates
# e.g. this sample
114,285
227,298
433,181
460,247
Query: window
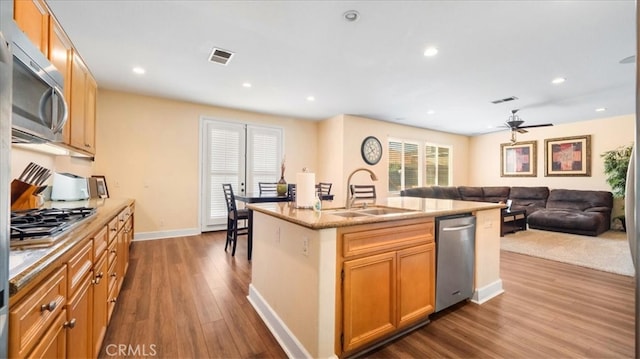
437,160
404,165
415,164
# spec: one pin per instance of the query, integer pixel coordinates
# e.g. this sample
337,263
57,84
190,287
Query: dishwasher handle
458,228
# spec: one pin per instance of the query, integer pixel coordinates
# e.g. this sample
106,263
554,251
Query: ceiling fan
514,123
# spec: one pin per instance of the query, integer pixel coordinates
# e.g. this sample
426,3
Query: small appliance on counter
69,187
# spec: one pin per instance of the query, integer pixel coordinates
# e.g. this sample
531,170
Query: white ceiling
374,67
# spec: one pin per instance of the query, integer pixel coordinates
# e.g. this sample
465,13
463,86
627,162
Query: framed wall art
568,156
101,187
519,159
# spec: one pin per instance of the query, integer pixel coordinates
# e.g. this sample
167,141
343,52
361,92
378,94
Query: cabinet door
90,114
33,19
60,55
369,303
78,98
416,283
53,342
79,321
100,305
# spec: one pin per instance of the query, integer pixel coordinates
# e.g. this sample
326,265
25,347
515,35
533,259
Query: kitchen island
331,284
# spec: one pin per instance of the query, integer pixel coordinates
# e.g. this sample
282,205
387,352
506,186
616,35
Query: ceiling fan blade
541,125
521,130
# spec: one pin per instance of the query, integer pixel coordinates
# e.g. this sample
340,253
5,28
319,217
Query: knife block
22,196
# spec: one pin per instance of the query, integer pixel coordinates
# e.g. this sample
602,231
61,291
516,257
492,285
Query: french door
235,153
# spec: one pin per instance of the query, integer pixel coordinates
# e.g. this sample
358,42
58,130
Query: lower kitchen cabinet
78,324
66,311
53,343
100,305
32,319
387,281
369,299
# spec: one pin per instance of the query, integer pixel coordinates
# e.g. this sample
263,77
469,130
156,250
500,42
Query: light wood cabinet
53,343
66,311
32,17
100,290
60,55
82,110
32,319
387,281
35,19
79,321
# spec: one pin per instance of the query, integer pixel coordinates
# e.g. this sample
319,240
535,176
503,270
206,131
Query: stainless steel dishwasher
455,259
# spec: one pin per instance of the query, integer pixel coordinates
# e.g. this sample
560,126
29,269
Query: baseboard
289,343
487,292
146,236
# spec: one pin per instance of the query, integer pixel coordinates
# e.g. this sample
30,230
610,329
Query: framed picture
101,186
568,156
519,159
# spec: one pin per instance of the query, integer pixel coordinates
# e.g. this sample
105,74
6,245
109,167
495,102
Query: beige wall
148,149
606,134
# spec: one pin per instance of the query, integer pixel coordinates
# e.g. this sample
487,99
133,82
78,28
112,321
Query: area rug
607,252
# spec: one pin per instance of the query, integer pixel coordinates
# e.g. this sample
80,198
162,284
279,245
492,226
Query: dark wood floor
186,298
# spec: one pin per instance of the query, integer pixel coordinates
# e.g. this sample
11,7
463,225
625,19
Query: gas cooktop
42,227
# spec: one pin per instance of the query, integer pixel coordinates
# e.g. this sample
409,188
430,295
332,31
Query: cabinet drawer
35,313
79,266
100,242
112,253
362,240
113,228
112,276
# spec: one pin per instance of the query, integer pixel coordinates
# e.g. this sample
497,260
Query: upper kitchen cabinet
83,106
33,19
60,55
37,21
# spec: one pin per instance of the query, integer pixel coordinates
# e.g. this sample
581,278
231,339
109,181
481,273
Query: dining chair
268,187
324,188
363,193
291,192
234,216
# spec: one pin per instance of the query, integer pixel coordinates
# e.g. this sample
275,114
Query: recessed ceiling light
138,70
246,84
430,51
628,60
558,80
601,109
311,98
430,112
351,16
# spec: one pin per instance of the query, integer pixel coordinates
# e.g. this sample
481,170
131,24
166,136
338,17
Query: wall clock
371,150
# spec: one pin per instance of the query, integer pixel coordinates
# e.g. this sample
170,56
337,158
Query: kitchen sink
374,211
384,210
349,214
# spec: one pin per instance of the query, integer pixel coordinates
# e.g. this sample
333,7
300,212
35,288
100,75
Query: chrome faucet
347,205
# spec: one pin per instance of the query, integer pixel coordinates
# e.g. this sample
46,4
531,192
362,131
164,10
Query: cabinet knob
113,251
49,306
113,300
100,275
114,229
114,274
70,324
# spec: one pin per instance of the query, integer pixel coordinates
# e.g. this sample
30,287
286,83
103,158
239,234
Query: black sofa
560,210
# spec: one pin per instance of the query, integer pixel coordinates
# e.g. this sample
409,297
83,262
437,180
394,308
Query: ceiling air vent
504,100
220,56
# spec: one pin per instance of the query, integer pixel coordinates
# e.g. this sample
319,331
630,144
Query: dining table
265,197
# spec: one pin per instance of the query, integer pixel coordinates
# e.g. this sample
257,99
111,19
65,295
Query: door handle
5,54
457,228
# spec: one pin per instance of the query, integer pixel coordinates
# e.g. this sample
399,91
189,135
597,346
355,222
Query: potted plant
616,163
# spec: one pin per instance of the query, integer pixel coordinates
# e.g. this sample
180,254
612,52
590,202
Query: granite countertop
25,264
329,218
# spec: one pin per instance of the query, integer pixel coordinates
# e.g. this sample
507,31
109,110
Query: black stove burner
38,223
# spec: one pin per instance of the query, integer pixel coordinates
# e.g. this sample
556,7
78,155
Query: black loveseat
560,210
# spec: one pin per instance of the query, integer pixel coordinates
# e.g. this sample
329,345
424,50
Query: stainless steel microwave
39,107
